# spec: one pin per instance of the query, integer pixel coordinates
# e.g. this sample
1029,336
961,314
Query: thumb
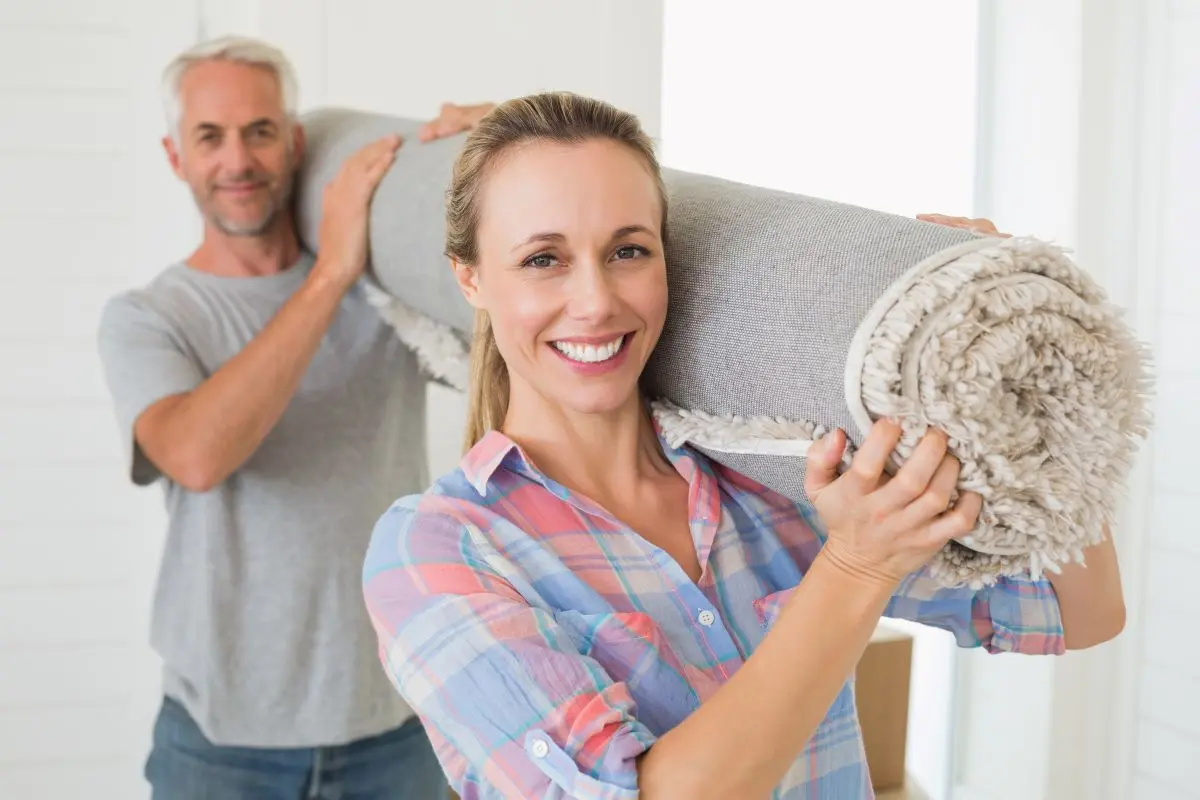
823,459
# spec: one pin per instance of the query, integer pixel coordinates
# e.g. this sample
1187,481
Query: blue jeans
396,765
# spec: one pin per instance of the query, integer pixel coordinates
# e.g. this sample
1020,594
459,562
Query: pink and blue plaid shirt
545,645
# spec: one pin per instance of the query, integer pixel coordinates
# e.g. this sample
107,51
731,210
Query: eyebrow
551,236
205,127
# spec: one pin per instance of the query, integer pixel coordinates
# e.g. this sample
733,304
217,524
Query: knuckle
908,485
860,470
936,500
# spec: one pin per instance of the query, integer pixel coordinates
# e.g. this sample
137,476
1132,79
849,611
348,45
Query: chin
251,226
599,402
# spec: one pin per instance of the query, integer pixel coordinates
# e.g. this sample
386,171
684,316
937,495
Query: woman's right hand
880,528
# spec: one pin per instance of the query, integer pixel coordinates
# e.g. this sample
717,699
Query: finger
940,219
821,468
958,521
378,149
383,150
935,499
380,167
914,477
867,466
449,127
988,227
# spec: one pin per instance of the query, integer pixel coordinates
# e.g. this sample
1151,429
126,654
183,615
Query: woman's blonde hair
560,117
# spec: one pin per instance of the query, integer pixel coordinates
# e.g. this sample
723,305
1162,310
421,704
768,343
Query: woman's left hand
978,224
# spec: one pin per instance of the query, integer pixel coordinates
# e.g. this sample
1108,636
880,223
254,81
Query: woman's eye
630,251
540,260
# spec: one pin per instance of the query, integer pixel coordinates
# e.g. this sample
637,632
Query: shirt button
707,618
540,749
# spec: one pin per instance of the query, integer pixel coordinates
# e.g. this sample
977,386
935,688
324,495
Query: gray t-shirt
258,612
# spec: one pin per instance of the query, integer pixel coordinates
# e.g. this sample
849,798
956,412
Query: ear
173,157
467,278
299,142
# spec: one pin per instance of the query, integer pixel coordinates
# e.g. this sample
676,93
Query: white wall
74,539
1094,139
807,97
1165,729
89,208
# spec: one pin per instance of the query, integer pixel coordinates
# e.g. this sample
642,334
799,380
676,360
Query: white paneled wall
68,629
1166,733
78,545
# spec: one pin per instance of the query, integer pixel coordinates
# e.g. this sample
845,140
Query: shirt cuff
560,768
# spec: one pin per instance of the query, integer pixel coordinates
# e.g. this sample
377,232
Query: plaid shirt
545,645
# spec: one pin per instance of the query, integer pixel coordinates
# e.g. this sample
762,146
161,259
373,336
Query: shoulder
433,545
141,306
434,524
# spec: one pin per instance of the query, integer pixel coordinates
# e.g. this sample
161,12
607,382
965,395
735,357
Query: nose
593,297
238,158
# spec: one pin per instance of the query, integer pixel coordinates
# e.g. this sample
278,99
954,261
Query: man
281,416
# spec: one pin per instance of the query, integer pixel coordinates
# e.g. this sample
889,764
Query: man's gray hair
238,49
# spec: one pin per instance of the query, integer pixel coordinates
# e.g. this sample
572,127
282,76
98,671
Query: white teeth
589,354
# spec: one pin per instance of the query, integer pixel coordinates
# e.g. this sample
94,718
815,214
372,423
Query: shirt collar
480,463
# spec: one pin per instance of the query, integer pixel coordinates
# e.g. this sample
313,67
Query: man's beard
278,202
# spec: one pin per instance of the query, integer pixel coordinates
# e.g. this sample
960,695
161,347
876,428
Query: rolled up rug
791,315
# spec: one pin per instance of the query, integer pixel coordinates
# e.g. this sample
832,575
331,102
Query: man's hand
453,119
342,238
978,225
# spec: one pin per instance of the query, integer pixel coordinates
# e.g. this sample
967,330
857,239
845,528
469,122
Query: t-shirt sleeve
144,360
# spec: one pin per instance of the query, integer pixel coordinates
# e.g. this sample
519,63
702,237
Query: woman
580,610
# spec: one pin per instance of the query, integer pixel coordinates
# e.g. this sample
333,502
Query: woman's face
571,271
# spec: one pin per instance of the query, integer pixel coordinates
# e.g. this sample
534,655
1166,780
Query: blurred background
1074,120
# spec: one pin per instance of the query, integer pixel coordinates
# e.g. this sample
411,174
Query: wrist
854,570
329,278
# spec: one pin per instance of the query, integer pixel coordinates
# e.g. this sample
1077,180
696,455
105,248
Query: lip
593,340
599,368
248,188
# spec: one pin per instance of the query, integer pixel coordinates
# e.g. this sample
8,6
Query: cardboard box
909,792
881,689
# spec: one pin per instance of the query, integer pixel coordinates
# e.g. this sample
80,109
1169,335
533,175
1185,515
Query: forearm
213,430
1090,598
742,741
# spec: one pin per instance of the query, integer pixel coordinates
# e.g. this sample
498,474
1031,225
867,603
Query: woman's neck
608,455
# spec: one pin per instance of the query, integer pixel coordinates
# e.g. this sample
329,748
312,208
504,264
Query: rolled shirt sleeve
515,708
1014,615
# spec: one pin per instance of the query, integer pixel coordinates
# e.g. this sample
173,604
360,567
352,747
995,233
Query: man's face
237,150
